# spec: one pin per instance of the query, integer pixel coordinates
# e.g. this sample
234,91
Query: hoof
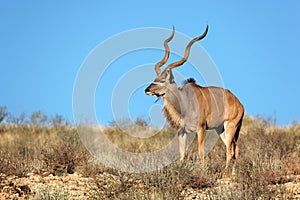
181,158
225,175
224,181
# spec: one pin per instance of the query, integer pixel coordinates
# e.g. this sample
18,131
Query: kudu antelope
193,108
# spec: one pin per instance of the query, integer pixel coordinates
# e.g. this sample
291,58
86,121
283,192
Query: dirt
75,186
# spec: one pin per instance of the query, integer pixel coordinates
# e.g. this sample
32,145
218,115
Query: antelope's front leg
201,134
182,142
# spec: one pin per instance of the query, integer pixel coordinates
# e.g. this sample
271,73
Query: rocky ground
75,186
41,162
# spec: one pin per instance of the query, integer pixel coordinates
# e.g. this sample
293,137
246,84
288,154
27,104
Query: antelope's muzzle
147,91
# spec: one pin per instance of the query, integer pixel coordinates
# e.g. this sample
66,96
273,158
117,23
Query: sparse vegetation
41,157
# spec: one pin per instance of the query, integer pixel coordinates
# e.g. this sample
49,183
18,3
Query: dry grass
269,158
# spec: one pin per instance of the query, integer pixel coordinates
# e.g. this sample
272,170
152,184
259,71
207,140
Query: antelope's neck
172,109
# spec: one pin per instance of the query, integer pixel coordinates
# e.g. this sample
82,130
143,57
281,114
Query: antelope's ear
167,71
170,76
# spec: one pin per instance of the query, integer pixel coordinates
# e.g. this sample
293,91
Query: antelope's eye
162,81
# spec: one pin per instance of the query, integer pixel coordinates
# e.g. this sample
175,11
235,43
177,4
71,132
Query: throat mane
171,115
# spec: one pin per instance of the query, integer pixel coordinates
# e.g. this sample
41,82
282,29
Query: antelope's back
217,105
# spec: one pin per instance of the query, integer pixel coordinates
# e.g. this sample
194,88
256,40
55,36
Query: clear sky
254,44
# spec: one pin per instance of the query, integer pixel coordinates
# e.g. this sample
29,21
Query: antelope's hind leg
230,137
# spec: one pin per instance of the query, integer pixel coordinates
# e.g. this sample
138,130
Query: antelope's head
164,80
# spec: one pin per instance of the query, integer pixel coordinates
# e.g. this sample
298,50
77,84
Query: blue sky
255,45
